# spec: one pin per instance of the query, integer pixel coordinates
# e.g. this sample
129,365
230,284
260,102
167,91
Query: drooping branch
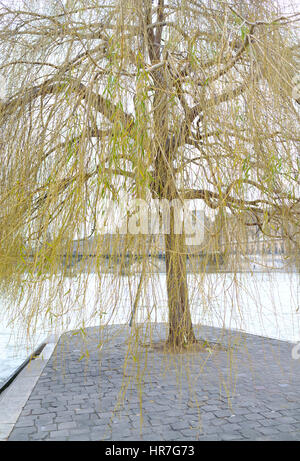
198,109
227,200
108,109
232,62
282,20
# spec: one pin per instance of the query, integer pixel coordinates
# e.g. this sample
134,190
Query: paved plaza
103,384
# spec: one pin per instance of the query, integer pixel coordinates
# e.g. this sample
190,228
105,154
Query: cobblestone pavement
251,391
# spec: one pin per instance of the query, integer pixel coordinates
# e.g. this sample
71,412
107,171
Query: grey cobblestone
55,434
79,400
48,428
67,425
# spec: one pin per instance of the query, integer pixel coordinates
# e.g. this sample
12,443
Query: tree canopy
188,100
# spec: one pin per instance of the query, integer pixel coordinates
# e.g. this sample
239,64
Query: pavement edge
14,398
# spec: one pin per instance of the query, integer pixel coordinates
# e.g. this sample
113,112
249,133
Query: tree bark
180,323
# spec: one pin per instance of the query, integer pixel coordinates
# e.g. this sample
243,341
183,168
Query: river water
259,303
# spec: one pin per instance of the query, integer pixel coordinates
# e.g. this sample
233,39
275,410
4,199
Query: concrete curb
14,398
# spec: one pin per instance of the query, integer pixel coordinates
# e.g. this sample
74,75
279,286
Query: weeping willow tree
179,100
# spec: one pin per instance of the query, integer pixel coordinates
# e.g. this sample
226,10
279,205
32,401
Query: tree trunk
164,187
180,323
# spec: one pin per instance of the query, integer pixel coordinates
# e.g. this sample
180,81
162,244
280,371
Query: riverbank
259,303
103,384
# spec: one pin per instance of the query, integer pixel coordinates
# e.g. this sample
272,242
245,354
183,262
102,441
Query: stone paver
91,389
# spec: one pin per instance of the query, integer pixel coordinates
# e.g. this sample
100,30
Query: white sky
290,6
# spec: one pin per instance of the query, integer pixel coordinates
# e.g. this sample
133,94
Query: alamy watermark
2,88
296,86
296,352
152,217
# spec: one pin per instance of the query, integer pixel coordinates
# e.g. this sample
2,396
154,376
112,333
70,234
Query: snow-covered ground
265,304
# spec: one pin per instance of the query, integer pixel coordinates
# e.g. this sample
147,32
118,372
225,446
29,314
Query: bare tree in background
174,100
